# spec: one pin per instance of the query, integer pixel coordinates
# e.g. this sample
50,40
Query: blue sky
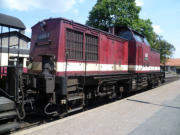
165,14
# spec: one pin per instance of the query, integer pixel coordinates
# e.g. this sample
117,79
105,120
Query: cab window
146,42
138,38
124,33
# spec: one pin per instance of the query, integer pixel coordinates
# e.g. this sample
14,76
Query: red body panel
115,54
53,28
112,50
143,56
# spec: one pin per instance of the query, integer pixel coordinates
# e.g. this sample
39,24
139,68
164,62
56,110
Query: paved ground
172,75
155,112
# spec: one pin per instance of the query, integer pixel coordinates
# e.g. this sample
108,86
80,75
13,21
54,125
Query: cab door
140,58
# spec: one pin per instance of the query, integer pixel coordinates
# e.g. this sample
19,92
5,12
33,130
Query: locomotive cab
142,58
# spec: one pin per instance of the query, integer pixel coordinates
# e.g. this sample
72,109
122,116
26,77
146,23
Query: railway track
36,120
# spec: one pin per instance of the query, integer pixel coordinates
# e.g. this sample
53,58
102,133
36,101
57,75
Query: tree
107,13
166,49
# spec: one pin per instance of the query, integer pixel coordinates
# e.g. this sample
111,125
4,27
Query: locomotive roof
10,21
71,21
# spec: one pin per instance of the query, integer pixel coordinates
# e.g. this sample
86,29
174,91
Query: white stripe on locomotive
72,66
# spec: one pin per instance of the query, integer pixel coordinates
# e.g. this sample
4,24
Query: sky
164,14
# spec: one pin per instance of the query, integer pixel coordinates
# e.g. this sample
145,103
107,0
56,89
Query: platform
154,112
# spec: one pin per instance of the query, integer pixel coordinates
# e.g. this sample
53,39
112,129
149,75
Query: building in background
12,39
173,65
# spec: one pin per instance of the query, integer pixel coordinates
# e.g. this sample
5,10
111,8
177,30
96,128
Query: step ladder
75,96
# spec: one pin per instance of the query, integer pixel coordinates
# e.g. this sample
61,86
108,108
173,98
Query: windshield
146,42
138,38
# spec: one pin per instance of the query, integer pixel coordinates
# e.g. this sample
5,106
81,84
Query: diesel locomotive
71,64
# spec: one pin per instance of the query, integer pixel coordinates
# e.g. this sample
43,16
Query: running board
75,109
71,98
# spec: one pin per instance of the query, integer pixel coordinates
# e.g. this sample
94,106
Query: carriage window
74,44
91,47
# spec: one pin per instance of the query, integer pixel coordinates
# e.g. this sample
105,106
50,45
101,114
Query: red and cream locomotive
72,64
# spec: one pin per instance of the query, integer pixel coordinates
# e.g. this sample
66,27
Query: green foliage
107,13
166,49
145,27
